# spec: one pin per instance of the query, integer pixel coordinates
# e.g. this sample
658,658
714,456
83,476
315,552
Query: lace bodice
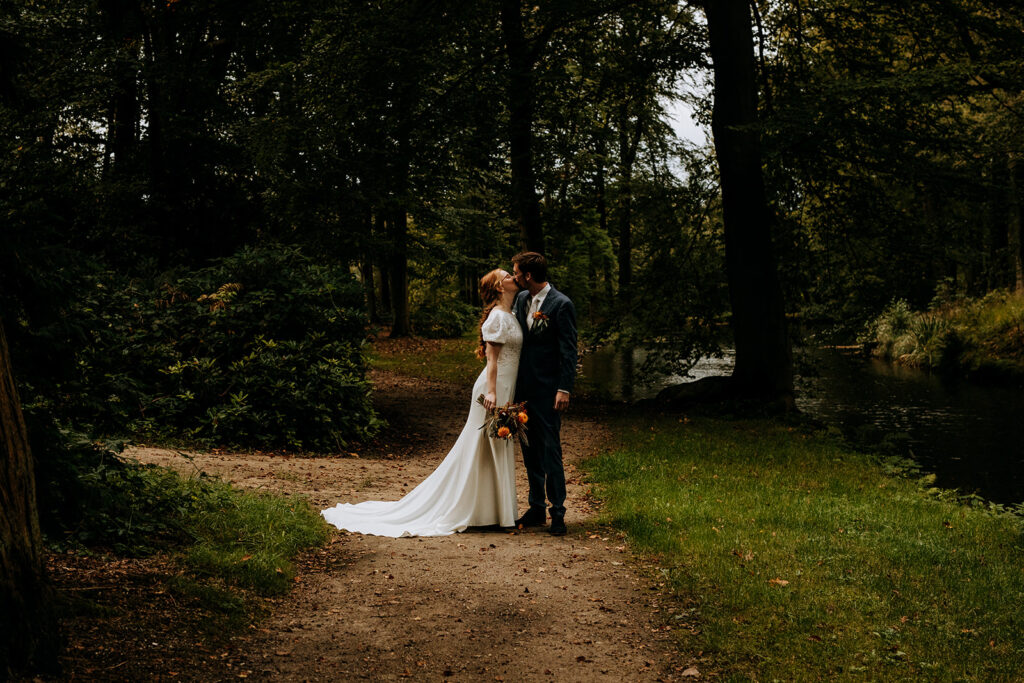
503,328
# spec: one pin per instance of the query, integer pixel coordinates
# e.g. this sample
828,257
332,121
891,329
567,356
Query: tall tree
29,638
764,366
522,57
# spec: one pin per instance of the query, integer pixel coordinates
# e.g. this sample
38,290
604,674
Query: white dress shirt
538,301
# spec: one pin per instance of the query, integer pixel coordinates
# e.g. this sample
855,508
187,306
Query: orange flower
503,432
539,316
523,417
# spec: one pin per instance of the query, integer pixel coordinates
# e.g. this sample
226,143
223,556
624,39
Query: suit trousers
543,457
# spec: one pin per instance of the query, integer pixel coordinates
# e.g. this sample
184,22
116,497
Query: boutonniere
540,321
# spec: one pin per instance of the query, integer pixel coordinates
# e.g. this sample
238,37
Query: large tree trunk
764,366
29,638
525,208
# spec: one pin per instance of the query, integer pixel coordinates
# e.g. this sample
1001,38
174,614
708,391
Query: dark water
971,437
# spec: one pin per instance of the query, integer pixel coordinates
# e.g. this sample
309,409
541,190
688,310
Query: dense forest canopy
417,144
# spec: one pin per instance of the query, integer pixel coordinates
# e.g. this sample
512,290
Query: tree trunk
997,233
628,145
123,32
764,366
1013,233
626,237
602,216
366,269
525,208
398,233
381,229
29,636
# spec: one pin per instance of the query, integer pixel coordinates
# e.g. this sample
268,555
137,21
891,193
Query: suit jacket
547,363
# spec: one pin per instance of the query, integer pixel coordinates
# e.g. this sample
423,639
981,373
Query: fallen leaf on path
691,672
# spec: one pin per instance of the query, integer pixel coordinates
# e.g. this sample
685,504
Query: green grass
446,360
249,539
802,560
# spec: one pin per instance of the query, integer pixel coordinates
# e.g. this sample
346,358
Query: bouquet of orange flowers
507,421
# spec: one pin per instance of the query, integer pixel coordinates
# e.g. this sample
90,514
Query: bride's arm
491,399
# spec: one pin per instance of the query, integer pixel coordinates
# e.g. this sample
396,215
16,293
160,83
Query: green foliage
263,348
797,559
891,157
444,319
979,337
90,496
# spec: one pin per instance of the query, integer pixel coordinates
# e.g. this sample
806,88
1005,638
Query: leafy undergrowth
170,570
806,561
981,338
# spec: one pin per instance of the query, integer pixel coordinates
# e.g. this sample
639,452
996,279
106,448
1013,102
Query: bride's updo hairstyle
490,294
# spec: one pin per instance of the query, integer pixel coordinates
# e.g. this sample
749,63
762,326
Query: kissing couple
528,338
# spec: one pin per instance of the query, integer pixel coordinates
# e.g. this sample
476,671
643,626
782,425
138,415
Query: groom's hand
561,401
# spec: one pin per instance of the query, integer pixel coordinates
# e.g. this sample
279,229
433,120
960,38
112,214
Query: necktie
530,311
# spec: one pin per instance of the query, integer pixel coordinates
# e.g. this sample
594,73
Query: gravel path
481,605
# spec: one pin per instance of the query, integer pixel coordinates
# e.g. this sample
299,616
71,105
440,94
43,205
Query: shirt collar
539,296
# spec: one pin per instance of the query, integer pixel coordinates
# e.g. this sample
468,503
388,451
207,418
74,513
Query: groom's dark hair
533,263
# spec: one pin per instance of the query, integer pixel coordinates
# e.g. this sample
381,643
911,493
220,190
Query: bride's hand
490,401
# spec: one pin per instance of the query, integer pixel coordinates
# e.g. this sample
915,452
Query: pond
971,437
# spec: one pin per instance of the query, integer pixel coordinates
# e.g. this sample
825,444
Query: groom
547,370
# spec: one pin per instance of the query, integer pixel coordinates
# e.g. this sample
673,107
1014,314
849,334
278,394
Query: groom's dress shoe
558,527
533,517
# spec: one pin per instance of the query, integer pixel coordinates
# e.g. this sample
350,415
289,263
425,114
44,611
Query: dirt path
473,606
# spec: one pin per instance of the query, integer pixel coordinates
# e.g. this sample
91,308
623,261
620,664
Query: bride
475,484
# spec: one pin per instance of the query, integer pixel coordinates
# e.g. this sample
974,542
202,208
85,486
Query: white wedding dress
475,483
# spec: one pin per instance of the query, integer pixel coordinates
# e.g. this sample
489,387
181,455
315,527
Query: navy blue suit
547,364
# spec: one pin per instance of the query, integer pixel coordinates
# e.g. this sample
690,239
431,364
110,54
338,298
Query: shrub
264,348
90,496
889,330
982,338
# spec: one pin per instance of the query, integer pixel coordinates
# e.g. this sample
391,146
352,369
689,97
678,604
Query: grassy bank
797,559
247,539
223,545
446,360
980,338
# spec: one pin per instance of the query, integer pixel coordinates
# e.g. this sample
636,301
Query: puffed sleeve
496,328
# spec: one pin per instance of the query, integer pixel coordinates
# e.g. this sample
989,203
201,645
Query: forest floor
480,605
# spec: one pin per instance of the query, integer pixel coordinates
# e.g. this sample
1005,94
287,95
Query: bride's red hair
490,293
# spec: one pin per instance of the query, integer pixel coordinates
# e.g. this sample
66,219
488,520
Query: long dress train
475,483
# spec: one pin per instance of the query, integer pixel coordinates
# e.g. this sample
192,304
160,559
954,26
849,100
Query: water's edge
971,437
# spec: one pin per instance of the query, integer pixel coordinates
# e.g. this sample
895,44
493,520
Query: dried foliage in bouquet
506,422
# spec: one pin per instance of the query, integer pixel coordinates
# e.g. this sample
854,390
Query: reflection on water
608,375
971,437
